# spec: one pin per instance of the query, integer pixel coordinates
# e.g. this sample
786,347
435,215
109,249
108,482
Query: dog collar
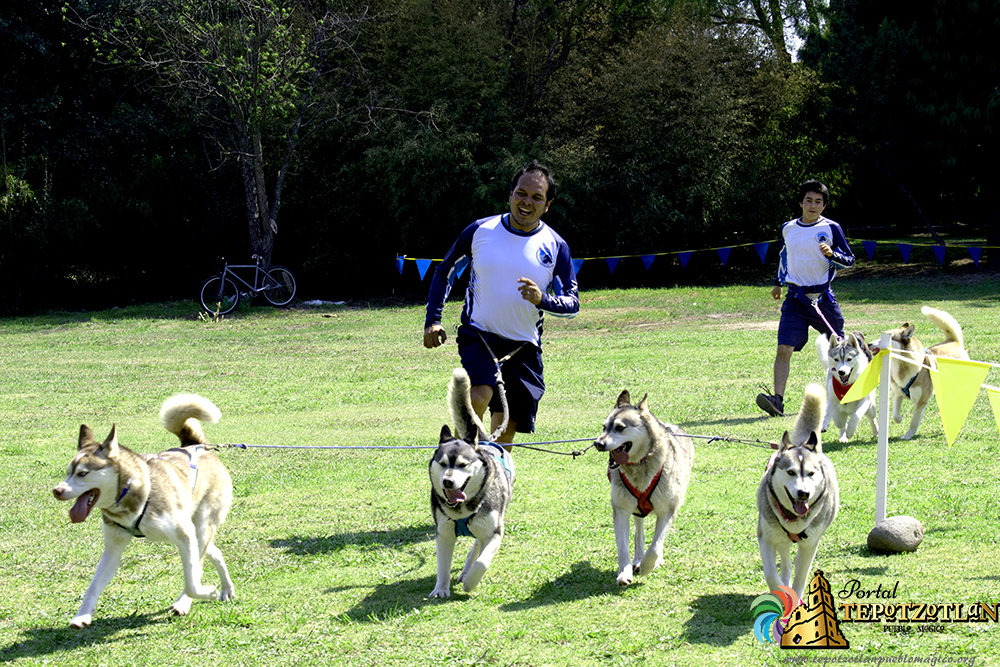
839,388
906,389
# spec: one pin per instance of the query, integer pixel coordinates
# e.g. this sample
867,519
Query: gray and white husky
180,496
649,470
798,497
471,484
845,359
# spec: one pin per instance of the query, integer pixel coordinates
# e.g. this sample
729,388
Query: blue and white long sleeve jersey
800,261
497,256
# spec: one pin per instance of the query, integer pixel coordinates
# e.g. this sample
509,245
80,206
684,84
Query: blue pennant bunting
648,260
399,263
975,254
905,249
422,266
869,248
612,263
577,263
939,251
684,257
761,250
724,254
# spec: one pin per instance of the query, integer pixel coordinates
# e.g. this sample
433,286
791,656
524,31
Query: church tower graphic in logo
814,623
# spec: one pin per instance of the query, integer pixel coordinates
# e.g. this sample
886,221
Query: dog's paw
649,563
475,575
440,593
844,438
907,436
81,621
227,594
182,606
625,576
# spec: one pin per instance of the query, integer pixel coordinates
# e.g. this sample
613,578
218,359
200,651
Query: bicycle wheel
279,286
219,295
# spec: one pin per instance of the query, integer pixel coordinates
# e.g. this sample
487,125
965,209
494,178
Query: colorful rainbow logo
772,611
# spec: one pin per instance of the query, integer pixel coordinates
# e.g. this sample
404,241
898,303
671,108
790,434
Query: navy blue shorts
797,317
522,373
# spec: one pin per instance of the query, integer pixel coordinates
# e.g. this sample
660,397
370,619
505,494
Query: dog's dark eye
619,427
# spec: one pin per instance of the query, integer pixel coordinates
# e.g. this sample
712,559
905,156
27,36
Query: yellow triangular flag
956,384
994,395
867,381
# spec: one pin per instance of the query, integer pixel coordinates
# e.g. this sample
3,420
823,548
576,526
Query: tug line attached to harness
499,378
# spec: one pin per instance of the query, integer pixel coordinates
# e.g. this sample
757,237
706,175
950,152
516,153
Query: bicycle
222,292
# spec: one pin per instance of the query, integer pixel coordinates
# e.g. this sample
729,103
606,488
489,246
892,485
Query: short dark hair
535,165
814,186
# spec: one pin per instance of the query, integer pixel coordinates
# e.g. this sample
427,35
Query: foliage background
671,124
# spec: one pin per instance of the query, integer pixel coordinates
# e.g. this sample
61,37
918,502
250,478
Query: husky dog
798,497
845,359
649,469
180,496
471,484
908,378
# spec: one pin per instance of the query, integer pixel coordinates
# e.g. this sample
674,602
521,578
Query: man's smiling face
528,201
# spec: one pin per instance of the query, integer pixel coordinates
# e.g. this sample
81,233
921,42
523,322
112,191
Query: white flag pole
881,481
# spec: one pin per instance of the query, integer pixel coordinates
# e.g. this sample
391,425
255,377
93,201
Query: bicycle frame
258,275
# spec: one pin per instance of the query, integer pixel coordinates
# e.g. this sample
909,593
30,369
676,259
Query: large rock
896,535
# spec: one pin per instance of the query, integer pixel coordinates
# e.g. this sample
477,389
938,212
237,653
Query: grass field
332,550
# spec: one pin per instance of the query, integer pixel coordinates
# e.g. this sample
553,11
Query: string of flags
956,385
905,249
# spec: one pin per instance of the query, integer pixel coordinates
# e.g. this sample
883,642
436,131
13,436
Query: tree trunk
259,222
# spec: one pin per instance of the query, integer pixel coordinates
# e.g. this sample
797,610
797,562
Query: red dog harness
645,505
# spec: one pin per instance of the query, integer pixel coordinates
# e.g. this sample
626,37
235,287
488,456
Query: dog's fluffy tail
810,417
823,350
460,401
946,323
182,414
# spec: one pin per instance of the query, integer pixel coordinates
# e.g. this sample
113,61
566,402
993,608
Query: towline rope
535,446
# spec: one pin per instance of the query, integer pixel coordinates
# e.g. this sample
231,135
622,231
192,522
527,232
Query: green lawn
332,550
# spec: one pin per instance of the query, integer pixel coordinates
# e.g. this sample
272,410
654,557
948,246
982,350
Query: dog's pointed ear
445,434
86,436
110,444
786,442
852,340
813,444
623,399
642,404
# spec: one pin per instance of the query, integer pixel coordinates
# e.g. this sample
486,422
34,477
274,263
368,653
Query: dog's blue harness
501,455
906,389
192,454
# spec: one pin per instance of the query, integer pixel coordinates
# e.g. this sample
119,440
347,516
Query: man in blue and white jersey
812,248
520,269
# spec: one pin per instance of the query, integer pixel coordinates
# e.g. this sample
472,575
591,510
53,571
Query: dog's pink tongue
454,496
81,508
620,456
800,508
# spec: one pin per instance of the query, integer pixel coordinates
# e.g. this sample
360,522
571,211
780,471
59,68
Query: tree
771,19
258,75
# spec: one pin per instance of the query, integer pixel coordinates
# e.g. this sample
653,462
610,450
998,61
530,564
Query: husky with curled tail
180,495
909,378
798,497
471,485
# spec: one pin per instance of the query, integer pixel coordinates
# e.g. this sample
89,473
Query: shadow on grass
719,620
46,641
394,599
581,581
311,546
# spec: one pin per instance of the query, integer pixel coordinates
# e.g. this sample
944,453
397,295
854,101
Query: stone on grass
896,535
